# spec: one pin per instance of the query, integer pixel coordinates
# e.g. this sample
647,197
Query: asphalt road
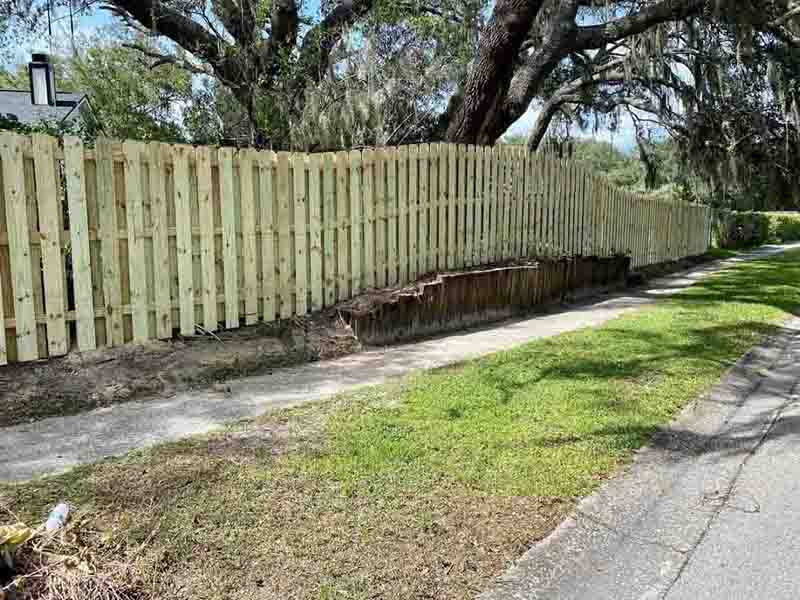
711,509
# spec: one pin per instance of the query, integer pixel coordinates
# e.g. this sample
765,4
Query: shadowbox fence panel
131,241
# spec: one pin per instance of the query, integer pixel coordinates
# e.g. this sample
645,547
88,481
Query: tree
270,55
129,97
214,116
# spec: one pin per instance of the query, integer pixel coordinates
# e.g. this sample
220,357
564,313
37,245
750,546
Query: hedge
744,229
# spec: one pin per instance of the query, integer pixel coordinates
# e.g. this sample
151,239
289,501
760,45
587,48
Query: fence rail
131,241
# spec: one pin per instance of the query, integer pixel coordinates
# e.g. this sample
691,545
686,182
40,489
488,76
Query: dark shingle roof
18,103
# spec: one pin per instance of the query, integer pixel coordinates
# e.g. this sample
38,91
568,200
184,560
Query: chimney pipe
42,80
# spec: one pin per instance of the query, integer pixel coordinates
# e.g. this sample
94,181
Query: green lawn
426,487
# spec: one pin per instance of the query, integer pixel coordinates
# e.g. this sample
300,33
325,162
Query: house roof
18,103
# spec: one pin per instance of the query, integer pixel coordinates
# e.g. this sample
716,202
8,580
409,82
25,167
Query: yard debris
54,562
57,518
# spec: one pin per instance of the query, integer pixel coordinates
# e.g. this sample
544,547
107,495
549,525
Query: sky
87,24
60,41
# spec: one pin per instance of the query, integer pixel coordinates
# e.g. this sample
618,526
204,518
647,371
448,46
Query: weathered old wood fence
130,241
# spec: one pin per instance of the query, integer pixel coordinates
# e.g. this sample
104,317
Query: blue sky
84,25
88,24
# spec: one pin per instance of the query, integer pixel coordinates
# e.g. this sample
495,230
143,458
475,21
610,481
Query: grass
423,488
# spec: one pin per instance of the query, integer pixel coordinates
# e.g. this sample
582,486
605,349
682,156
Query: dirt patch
84,381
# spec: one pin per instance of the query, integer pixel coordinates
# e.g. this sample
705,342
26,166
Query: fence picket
392,215
136,253
230,241
161,259
183,229
79,241
18,226
441,196
3,343
329,228
109,236
356,224
269,292
208,267
402,214
452,200
461,205
469,204
249,245
518,201
283,231
300,240
526,204
315,230
496,245
368,197
48,198
380,218
343,226
413,214
487,195
423,238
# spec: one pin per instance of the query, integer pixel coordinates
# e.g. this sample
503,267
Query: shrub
745,229
784,227
741,229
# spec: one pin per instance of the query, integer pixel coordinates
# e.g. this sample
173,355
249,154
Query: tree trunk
542,125
489,78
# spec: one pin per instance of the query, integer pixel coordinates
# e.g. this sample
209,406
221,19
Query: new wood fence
132,241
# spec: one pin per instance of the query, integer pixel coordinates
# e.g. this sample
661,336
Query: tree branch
164,59
284,21
319,42
239,19
187,33
594,37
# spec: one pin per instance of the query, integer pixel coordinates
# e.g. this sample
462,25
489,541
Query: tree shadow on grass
647,354
771,283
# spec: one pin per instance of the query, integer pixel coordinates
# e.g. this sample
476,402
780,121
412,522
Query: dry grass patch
228,516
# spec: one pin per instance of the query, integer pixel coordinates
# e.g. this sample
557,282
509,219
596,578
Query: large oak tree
268,53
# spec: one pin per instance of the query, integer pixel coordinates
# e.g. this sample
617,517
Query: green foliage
17,78
53,128
214,116
14,79
784,227
602,157
515,139
130,99
735,229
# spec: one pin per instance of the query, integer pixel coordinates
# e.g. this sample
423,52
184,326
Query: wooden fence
131,241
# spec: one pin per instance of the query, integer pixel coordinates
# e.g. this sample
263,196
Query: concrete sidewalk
711,509
59,443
